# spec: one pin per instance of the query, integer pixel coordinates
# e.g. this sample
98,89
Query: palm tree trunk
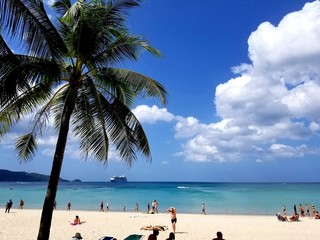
47,210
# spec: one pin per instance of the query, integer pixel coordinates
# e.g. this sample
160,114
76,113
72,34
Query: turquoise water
219,198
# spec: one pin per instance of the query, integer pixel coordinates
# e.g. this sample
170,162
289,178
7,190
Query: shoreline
25,223
160,212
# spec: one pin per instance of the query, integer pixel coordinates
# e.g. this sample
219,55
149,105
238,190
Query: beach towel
134,237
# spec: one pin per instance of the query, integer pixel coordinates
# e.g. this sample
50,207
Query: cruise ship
120,179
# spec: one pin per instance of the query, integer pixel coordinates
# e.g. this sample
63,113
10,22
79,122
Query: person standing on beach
54,205
153,206
107,206
295,209
301,210
156,206
8,206
173,213
137,207
313,210
307,210
203,209
148,208
21,204
101,206
69,206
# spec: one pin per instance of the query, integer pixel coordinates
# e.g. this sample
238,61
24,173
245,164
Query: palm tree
67,68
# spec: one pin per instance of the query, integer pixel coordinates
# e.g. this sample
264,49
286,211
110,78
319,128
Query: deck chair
106,238
134,237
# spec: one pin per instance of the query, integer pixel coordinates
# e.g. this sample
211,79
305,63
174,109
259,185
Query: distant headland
10,176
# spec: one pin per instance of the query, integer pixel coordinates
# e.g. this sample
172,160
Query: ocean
187,197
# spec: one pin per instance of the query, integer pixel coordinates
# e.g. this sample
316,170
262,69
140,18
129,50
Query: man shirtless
173,212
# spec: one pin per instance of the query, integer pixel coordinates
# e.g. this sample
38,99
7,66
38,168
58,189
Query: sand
24,224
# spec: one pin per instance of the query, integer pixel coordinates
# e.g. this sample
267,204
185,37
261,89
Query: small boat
119,179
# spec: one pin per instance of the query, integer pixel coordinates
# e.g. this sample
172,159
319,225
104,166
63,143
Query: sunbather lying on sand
157,227
294,218
281,218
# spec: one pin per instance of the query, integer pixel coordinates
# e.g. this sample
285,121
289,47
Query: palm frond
26,103
7,119
85,29
62,6
27,23
19,73
121,7
125,132
123,83
115,13
89,122
26,147
99,120
98,35
4,48
73,13
123,48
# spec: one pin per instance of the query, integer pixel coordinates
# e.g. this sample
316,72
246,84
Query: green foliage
79,54
26,146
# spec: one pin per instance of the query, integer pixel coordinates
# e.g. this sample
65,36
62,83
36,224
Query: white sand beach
24,224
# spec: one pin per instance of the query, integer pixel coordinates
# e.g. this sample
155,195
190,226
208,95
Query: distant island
9,176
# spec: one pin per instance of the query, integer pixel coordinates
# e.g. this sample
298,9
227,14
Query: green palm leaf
26,147
27,23
19,73
61,6
126,84
90,125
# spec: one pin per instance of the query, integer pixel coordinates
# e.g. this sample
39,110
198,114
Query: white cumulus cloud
151,115
275,98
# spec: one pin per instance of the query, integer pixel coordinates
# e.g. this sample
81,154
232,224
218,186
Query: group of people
171,210
102,206
173,219
153,236
9,205
303,212
154,206
283,218
155,233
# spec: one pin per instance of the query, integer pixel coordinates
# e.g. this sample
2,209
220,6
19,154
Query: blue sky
243,104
